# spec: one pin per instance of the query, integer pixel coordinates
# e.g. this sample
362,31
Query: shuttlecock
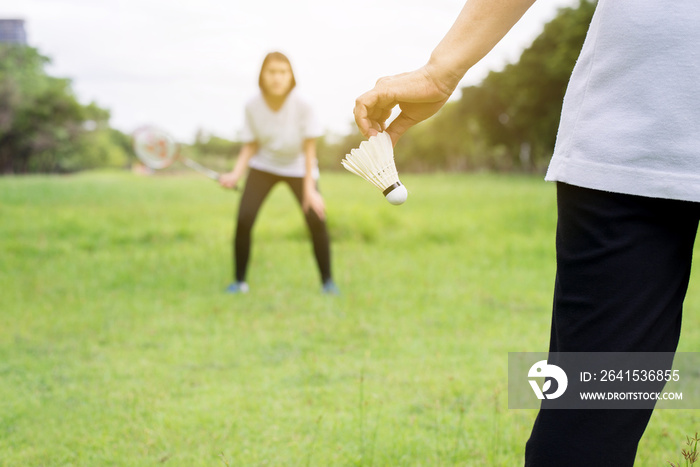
374,161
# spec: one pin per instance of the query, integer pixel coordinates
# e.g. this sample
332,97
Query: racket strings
155,148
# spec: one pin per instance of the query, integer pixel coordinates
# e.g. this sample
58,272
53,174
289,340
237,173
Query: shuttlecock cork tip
396,194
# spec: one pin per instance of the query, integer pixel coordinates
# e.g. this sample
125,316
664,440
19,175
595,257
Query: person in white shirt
279,139
627,169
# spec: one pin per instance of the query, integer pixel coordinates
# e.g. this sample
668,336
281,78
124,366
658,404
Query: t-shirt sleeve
247,133
310,127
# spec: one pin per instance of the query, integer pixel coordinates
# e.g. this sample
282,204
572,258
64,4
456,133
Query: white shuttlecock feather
374,161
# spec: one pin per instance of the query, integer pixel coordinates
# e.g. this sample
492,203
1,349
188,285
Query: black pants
623,265
257,188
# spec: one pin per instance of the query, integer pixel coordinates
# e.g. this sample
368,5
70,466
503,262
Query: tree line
508,122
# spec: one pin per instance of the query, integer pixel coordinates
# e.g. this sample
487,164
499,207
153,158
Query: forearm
479,27
244,155
310,163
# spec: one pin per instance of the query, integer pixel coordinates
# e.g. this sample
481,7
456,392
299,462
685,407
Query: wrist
442,72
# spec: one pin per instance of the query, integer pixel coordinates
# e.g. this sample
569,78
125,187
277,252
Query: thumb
399,126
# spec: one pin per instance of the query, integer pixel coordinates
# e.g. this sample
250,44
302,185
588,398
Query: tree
43,128
530,93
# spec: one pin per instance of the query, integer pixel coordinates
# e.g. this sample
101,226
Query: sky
191,65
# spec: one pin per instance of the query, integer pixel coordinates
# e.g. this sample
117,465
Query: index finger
364,123
371,113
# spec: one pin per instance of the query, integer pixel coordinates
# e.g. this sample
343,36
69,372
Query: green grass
118,346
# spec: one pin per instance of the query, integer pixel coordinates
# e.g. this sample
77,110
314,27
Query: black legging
257,188
623,266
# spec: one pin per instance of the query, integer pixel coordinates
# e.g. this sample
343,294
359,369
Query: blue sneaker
237,287
329,288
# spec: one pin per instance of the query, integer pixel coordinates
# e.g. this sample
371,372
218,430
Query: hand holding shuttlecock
374,161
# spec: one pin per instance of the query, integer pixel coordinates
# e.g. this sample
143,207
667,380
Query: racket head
154,147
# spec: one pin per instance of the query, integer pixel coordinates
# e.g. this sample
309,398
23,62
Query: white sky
192,64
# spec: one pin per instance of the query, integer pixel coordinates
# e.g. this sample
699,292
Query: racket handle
200,168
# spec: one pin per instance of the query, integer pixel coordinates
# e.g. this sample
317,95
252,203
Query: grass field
119,348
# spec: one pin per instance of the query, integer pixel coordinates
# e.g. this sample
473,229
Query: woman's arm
311,198
421,93
230,179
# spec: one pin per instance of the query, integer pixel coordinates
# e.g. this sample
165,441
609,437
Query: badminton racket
158,150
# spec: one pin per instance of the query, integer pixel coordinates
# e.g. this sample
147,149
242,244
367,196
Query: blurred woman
279,139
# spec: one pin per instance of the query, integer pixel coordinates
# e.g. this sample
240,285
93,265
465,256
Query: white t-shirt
631,116
280,135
